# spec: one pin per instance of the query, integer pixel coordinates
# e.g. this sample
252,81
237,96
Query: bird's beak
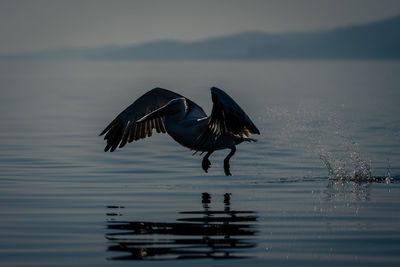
163,111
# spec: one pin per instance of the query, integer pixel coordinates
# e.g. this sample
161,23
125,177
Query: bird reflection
207,233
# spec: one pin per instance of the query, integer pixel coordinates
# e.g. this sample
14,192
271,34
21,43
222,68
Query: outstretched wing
124,128
228,117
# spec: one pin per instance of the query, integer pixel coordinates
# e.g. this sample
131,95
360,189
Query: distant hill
377,40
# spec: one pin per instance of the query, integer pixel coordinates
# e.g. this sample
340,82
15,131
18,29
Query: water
320,187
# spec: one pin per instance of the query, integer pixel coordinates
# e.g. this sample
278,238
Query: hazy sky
27,25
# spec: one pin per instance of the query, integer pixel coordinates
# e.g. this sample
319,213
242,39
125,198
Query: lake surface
319,188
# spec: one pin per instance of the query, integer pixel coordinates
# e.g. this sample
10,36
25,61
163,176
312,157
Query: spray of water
359,169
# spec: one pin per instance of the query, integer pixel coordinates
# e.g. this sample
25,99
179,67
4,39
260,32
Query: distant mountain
377,40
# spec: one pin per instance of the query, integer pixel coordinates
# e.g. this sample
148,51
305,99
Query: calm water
65,202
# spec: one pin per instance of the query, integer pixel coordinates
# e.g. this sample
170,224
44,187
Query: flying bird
185,121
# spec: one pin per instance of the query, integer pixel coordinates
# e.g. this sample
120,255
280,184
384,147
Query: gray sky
29,25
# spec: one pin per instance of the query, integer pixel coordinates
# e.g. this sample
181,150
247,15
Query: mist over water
320,187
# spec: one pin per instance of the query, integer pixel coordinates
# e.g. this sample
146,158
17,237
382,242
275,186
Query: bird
185,121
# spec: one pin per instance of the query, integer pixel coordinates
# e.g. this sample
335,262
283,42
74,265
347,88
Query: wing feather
162,125
157,125
125,135
131,133
124,128
227,117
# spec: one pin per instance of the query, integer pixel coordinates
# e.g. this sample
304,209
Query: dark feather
227,117
124,129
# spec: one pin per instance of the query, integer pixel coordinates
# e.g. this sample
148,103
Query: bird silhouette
185,121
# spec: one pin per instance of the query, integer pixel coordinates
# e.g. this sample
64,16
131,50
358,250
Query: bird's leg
226,161
206,163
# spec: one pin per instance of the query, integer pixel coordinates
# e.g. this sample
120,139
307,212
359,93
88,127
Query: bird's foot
205,164
226,168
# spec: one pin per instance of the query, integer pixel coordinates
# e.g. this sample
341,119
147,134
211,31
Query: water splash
359,169
388,177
